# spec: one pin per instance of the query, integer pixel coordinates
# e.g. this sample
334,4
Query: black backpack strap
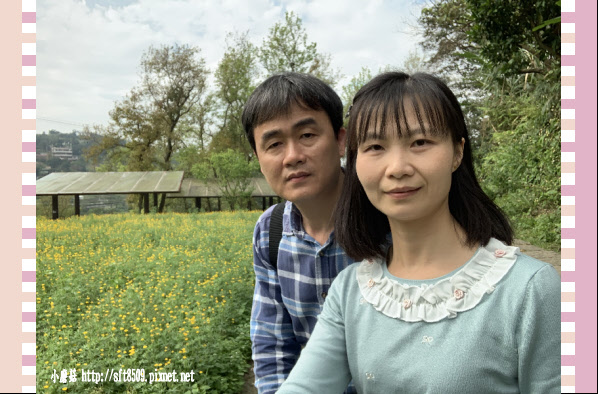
275,233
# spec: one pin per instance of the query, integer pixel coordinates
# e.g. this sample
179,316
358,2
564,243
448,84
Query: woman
450,307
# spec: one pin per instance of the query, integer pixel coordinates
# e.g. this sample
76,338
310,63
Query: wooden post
198,203
77,205
263,203
145,202
219,206
155,199
249,204
271,200
54,206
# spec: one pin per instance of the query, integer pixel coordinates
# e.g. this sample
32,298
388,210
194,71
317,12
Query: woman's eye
374,147
420,143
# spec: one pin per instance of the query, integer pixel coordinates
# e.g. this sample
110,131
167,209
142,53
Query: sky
88,51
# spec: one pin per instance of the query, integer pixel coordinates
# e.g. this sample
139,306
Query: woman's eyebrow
372,135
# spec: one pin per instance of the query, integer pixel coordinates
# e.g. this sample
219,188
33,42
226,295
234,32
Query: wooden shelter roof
199,188
81,183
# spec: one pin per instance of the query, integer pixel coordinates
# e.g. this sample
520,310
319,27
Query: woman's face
408,178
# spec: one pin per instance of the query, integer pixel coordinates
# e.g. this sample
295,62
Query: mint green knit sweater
491,326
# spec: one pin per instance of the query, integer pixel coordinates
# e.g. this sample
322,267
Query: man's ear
458,154
342,141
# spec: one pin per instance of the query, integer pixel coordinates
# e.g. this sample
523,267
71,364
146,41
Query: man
294,124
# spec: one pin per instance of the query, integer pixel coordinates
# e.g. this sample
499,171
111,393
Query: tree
148,126
414,63
446,25
235,81
174,80
350,89
232,173
518,35
504,59
287,49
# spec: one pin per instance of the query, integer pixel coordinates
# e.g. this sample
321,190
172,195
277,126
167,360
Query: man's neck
317,214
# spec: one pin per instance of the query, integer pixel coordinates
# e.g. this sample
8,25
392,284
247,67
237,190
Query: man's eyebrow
304,122
268,135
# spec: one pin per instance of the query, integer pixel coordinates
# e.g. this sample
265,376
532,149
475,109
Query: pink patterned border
28,265
571,356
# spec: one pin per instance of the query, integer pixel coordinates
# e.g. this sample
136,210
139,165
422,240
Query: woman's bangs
376,118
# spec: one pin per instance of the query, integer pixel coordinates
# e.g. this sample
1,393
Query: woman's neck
427,248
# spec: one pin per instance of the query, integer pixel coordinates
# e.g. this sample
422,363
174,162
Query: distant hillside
60,152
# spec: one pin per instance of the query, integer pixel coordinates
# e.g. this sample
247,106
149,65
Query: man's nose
294,154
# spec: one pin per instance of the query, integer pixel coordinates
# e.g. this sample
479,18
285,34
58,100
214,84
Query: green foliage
232,172
43,206
287,49
503,60
144,131
517,35
161,293
349,90
235,78
521,169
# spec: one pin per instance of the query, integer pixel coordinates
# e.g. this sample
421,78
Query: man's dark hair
276,96
361,229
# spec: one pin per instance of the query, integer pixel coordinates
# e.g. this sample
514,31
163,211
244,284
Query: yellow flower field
162,293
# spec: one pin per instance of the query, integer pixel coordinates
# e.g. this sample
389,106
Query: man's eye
307,135
274,145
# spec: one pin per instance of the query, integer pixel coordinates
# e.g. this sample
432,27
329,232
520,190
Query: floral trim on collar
443,299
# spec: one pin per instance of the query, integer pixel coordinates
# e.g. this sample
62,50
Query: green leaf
547,23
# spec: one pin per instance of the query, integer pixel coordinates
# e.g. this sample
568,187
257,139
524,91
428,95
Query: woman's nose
398,163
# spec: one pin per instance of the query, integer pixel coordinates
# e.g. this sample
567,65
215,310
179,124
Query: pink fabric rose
499,253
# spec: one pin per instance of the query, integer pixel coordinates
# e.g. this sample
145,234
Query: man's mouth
297,176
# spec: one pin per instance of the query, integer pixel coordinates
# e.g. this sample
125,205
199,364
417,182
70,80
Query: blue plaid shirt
286,303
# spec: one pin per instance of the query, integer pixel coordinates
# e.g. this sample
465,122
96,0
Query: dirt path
548,256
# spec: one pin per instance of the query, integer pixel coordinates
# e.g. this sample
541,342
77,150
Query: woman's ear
458,154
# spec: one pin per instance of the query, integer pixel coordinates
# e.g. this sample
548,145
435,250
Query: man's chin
299,196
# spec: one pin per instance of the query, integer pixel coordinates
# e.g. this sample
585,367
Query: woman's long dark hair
361,229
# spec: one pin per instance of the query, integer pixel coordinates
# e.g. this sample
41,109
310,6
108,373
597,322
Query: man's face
299,155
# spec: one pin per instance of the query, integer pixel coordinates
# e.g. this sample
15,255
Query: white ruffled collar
453,293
